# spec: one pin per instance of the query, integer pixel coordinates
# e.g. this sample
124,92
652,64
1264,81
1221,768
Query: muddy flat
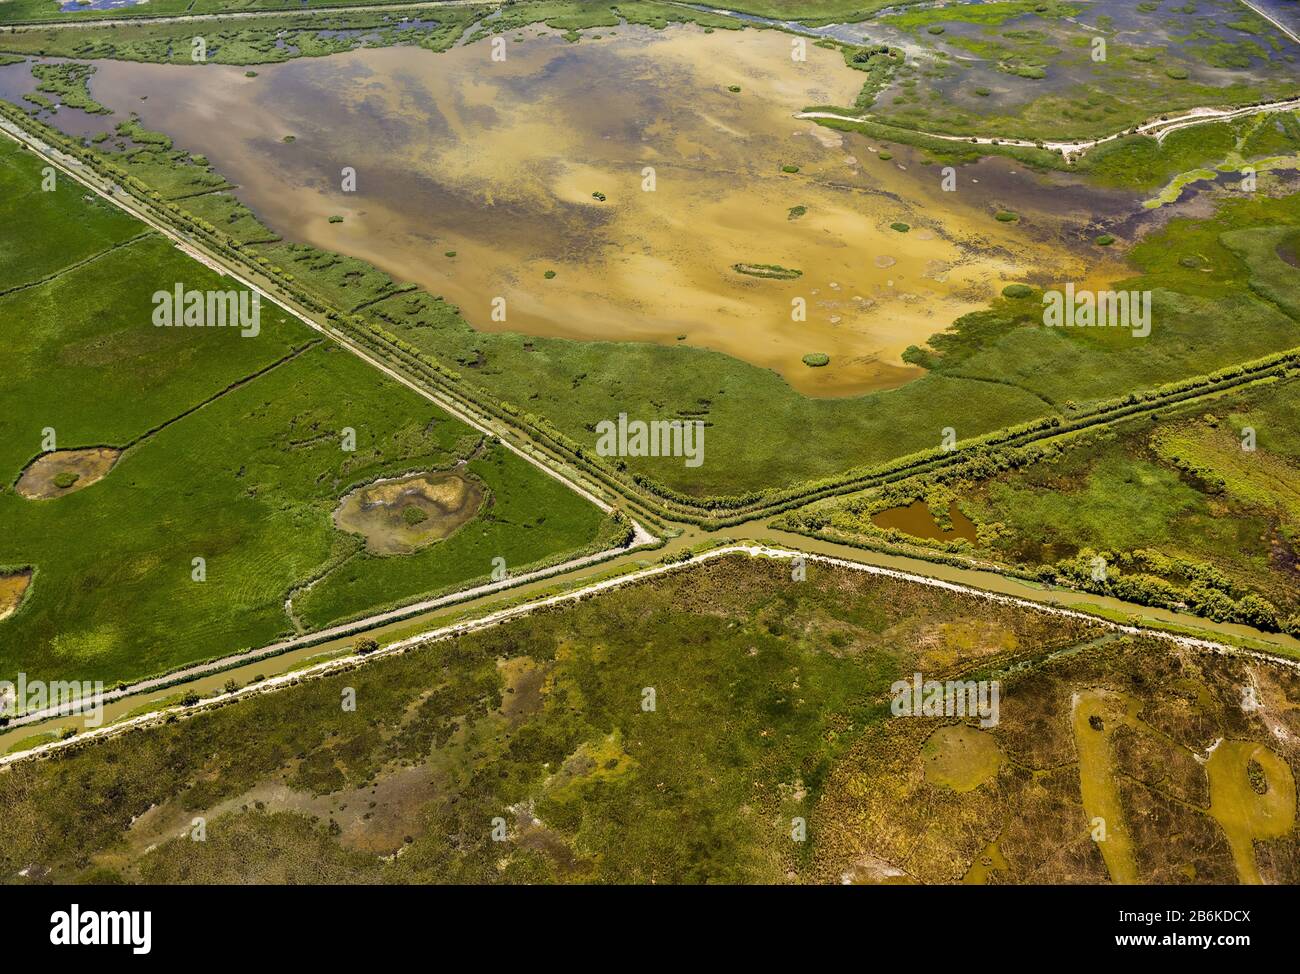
12,589
66,471
397,517
626,169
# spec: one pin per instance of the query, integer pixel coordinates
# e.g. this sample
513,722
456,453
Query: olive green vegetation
257,41
574,16
771,271
1050,84
233,454
761,686
879,62
68,83
1200,509
1142,163
35,11
813,12
271,39
902,796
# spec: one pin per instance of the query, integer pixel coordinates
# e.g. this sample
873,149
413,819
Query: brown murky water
917,520
13,586
499,162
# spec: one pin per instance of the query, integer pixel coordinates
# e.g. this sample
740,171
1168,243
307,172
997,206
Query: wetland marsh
609,189
537,721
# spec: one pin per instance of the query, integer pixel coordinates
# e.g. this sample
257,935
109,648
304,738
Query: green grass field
234,455
30,257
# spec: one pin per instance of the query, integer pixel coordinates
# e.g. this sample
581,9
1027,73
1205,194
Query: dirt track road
1158,129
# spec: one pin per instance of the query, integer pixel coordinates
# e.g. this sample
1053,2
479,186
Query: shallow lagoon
500,163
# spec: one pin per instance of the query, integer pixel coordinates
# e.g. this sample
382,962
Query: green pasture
234,455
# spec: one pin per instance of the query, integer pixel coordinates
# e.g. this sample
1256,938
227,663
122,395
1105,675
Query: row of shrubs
1146,580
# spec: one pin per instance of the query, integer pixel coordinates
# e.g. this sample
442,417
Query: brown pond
65,471
397,517
501,163
915,519
13,587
